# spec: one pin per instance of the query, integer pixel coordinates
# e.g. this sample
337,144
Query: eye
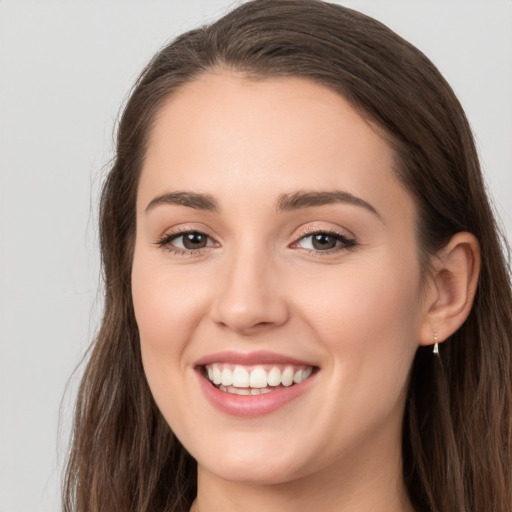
325,241
186,241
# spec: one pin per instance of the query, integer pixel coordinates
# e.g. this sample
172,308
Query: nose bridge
249,297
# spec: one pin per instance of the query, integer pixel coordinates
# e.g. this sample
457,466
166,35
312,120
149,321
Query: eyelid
347,240
165,241
311,230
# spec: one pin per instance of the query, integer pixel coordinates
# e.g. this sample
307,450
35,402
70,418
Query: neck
373,483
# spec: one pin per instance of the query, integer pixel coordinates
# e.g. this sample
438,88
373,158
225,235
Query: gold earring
436,344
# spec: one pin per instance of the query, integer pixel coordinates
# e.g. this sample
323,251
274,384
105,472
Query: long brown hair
457,451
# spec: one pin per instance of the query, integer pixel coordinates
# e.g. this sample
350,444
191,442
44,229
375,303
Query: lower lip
250,406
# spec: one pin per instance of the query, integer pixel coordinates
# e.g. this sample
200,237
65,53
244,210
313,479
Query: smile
255,380
249,385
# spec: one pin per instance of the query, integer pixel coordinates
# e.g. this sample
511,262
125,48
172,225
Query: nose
251,297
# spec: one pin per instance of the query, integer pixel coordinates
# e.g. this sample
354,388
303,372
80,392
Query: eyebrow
286,202
190,199
305,199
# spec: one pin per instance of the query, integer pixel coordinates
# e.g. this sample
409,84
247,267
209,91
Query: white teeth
235,391
274,376
287,376
262,391
297,377
239,378
301,375
258,378
227,377
244,391
217,375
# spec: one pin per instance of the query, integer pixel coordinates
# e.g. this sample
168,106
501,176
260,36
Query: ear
452,288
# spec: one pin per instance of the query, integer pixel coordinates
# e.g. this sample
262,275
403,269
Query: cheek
166,310
381,289
368,320
166,303
167,313
367,323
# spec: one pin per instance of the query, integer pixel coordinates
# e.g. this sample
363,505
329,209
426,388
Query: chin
258,463
253,472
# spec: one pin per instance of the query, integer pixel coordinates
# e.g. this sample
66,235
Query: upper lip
250,358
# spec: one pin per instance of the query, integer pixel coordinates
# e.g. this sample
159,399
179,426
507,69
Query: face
276,281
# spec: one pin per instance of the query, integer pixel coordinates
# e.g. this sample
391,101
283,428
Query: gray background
65,68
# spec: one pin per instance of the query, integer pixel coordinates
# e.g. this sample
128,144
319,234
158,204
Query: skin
357,312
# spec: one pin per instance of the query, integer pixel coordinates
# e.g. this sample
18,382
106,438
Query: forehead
226,135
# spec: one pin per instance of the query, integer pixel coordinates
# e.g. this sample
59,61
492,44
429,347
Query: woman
307,304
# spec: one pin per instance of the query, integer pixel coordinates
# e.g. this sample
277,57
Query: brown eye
323,241
194,240
186,241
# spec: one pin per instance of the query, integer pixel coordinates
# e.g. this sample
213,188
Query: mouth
250,385
255,380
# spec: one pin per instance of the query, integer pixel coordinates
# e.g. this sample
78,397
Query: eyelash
166,242
344,241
